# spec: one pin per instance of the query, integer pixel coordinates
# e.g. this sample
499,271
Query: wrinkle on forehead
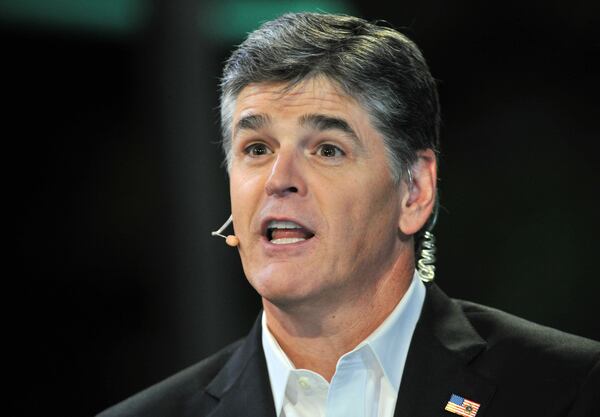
318,96
318,88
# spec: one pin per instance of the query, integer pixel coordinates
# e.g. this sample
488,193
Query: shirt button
303,382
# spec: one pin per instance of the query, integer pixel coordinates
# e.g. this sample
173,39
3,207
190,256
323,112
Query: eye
328,150
257,149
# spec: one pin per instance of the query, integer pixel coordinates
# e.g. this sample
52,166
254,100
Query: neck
315,335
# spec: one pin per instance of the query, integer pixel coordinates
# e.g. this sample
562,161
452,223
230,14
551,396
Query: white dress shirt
366,379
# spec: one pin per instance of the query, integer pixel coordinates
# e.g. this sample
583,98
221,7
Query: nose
286,176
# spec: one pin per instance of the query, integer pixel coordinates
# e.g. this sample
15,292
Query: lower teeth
287,240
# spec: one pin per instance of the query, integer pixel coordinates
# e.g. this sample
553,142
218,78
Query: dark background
113,179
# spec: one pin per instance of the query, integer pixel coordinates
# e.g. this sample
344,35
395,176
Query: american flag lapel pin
461,406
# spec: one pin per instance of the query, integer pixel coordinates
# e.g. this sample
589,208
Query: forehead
317,94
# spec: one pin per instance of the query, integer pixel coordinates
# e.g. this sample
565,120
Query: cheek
356,206
372,213
242,177
245,192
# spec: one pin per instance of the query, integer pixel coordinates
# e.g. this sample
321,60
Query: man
330,128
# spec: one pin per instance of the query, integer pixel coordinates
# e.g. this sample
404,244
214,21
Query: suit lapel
443,345
242,387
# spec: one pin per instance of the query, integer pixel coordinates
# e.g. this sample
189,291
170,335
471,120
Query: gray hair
376,65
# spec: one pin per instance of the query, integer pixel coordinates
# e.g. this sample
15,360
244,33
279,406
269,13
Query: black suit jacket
510,366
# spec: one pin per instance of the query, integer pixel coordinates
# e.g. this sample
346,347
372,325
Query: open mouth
283,232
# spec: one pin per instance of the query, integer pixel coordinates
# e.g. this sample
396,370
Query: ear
419,196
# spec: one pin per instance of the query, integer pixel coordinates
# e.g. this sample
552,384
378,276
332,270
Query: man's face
313,201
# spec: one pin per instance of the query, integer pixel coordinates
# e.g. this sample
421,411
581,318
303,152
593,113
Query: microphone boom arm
220,231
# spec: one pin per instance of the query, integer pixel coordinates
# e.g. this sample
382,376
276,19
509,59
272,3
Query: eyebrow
252,122
320,122
323,122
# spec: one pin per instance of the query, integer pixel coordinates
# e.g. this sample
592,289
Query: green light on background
107,16
231,20
225,20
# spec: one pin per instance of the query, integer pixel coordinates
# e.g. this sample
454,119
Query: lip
269,219
290,248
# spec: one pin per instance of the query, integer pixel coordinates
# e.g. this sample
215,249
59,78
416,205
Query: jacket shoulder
551,352
172,395
557,372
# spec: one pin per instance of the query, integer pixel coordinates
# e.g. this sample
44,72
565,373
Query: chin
283,287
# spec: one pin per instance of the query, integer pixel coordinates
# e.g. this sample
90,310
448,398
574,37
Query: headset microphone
231,240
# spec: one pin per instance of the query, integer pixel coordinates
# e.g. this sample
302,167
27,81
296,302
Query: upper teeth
274,224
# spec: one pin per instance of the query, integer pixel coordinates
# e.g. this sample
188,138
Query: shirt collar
389,342
278,365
